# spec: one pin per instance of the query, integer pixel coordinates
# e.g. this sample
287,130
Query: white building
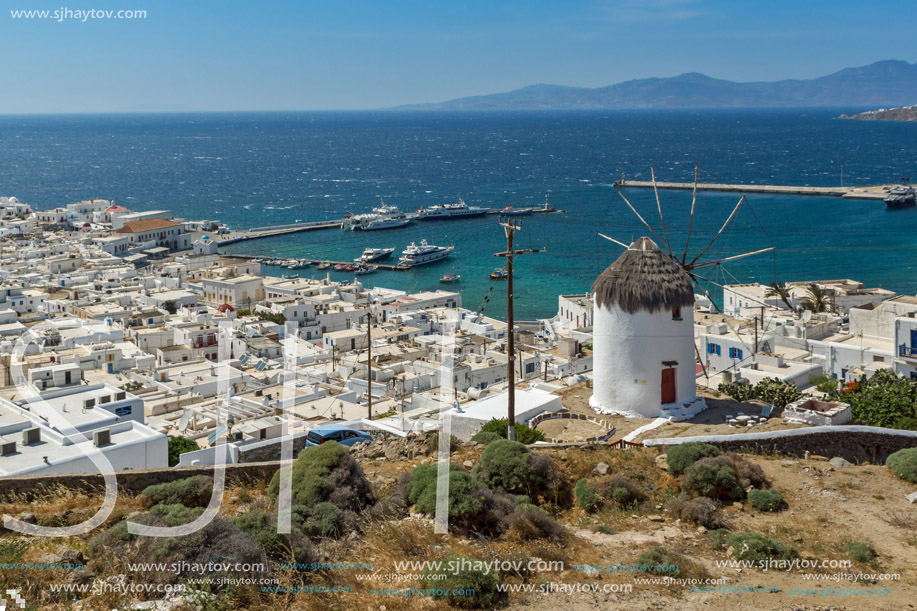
468,419
156,232
240,291
38,436
643,336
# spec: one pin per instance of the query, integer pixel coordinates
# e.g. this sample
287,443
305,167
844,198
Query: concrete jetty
270,232
873,192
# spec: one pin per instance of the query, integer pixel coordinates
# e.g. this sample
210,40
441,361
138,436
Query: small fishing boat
362,270
499,274
323,266
450,277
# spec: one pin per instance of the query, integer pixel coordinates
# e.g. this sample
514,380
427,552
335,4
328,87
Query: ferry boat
510,211
371,255
382,217
902,196
422,254
458,210
499,274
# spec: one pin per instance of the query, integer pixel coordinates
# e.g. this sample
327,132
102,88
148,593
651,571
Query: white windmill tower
644,352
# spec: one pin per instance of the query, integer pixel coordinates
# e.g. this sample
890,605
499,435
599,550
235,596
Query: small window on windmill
676,313
101,438
30,436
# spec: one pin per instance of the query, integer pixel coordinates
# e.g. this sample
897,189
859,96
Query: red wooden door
668,385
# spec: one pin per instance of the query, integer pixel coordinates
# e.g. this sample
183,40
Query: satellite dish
807,316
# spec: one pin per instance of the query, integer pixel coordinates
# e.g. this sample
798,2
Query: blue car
338,433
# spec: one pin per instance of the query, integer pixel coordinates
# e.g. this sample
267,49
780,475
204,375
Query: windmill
692,265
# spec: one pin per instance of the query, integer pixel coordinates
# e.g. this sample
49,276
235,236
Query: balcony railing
909,352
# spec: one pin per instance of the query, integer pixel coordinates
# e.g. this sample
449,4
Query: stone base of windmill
679,412
674,412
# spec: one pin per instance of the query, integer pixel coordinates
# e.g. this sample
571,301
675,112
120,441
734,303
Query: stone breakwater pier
874,192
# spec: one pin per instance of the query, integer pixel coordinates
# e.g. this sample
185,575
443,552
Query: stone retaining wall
608,428
132,480
854,443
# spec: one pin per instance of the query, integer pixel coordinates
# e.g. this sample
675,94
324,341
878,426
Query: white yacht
458,210
422,254
382,217
371,255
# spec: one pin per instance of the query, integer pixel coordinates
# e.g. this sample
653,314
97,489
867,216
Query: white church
643,337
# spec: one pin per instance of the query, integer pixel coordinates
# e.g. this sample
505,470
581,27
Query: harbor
867,192
379,215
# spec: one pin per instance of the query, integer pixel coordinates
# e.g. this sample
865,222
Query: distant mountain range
884,83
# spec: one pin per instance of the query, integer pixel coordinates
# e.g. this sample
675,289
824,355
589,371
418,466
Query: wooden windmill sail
692,265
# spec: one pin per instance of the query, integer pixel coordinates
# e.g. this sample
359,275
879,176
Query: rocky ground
829,505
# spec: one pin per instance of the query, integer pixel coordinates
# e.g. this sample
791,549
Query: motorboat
372,255
423,253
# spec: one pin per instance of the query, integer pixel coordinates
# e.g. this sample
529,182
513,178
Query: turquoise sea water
253,169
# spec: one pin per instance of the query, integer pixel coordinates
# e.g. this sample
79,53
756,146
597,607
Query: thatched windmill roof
644,278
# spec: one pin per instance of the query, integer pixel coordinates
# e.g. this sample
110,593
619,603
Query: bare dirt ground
827,509
711,421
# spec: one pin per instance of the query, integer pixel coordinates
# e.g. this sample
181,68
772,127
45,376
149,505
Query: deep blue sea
254,169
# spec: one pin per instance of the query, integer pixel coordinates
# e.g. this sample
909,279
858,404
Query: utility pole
369,362
510,228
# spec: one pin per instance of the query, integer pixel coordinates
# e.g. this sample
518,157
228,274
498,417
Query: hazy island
903,113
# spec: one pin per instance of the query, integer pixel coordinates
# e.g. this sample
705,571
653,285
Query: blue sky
350,54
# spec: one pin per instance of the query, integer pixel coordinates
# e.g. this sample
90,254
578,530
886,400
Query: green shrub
766,500
178,446
458,573
605,530
322,520
903,463
861,552
327,473
486,437
114,548
524,433
713,481
622,496
668,563
464,500
529,522
176,515
684,455
724,478
472,507
758,548
293,547
190,492
454,442
508,466
586,496
699,510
